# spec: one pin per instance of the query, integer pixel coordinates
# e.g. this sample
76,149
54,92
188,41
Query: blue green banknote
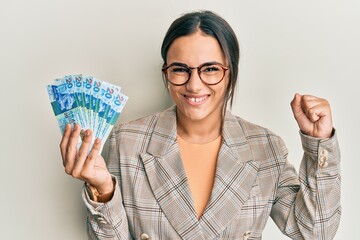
92,103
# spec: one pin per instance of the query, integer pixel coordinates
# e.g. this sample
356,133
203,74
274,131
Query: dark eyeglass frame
189,71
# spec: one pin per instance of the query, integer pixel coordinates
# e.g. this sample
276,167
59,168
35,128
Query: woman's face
195,100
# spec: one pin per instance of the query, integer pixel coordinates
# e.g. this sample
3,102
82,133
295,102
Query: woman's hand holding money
82,165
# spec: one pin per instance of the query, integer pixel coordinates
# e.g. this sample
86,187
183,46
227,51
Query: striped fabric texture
253,181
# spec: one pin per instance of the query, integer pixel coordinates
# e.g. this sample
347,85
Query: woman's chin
195,115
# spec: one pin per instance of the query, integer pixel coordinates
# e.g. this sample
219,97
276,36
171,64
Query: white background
286,47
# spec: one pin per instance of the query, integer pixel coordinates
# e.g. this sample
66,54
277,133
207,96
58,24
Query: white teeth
197,99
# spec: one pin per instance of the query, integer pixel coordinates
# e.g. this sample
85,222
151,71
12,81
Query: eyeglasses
210,73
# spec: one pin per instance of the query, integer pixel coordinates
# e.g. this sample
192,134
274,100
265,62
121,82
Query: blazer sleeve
108,220
307,206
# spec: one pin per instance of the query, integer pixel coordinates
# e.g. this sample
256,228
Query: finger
82,154
296,106
296,100
308,104
71,149
89,165
310,98
317,111
317,104
312,114
309,101
299,115
307,97
64,142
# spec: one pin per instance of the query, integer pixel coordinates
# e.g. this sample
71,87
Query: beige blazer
253,181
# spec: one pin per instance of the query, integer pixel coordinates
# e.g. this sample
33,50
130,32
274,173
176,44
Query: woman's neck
199,131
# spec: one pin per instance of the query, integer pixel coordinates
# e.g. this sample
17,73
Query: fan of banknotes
85,100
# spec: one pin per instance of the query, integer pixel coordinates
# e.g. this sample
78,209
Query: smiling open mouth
196,99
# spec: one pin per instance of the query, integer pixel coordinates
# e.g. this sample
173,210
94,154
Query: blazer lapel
235,175
167,177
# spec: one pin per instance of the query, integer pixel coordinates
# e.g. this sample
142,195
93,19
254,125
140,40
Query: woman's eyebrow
178,64
185,65
211,63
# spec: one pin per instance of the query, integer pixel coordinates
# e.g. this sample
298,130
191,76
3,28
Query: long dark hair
215,26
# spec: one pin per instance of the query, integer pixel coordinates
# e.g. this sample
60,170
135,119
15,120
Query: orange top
199,161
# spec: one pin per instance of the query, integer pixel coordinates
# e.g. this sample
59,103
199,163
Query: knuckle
84,175
307,97
62,145
73,134
90,156
313,115
70,148
73,139
68,170
75,173
307,104
292,103
310,111
81,154
303,102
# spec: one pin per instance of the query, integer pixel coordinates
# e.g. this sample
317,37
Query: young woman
195,171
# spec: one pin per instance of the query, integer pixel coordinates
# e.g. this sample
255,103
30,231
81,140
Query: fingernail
82,134
87,133
98,140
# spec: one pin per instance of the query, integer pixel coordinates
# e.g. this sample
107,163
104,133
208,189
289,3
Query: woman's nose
195,83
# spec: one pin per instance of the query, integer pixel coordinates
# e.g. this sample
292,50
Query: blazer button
246,235
144,236
324,153
324,165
